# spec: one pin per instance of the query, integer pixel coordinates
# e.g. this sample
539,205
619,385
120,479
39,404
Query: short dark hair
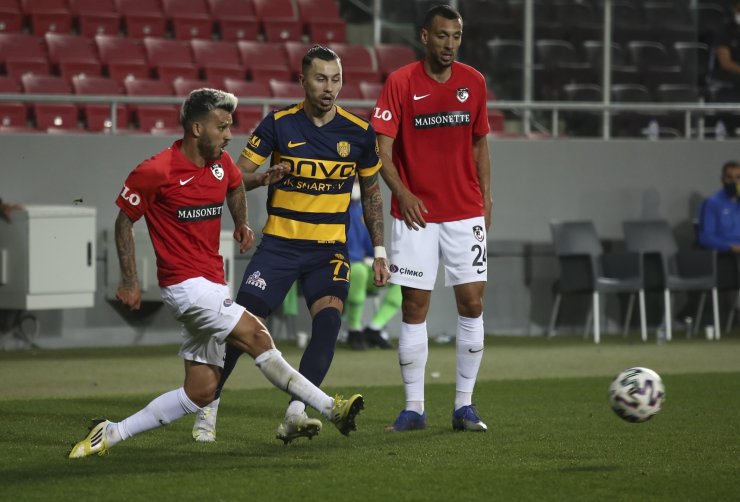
729,164
317,52
444,10
201,102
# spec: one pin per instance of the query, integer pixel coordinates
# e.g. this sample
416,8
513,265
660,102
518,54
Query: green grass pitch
552,435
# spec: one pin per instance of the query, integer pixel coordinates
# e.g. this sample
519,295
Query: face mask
356,192
731,189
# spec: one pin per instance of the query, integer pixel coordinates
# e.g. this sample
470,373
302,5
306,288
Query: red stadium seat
357,63
390,57
48,15
271,9
236,19
98,117
22,53
183,86
325,31
352,91
95,17
217,60
264,60
51,115
279,21
149,117
292,90
170,58
73,55
13,115
123,57
190,18
322,21
11,17
247,117
295,52
282,30
370,90
142,18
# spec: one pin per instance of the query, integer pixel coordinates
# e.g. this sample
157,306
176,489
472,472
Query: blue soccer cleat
467,419
408,421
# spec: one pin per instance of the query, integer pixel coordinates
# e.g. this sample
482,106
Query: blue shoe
408,421
467,419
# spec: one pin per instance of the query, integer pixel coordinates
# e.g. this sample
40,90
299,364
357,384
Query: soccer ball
636,394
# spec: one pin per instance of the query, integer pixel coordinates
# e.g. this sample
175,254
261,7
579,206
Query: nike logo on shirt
475,351
293,145
185,182
417,98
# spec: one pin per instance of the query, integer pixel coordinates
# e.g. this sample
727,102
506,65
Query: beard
208,149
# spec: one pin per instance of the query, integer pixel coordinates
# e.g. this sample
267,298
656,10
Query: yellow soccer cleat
204,429
95,441
345,411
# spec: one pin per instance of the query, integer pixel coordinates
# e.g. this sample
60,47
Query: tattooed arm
129,291
372,210
236,200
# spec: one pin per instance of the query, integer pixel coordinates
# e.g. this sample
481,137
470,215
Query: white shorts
208,315
415,254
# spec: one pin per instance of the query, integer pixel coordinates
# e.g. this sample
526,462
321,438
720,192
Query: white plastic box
47,258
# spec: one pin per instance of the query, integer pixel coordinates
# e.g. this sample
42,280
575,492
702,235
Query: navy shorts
321,269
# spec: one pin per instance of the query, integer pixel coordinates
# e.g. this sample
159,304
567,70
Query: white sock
284,377
413,351
214,404
164,409
469,355
295,408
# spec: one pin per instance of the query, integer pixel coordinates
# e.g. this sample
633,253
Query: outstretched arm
129,290
411,207
236,200
253,179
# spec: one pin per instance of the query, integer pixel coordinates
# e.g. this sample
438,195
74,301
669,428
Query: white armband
380,252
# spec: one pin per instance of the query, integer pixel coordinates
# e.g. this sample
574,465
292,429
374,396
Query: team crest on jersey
343,148
478,233
254,141
463,94
218,171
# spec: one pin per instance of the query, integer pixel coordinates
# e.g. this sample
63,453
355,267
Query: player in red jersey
432,123
181,193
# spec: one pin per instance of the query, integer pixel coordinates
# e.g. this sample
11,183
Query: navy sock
232,356
319,352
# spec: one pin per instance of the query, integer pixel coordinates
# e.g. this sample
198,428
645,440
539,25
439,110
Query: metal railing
694,113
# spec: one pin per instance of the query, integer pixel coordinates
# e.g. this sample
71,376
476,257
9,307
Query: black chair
628,123
581,123
667,269
562,63
655,63
670,20
584,268
694,60
621,71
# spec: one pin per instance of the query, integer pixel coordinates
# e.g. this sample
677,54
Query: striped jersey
311,202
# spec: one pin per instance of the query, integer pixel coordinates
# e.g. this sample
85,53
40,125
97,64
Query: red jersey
182,204
433,125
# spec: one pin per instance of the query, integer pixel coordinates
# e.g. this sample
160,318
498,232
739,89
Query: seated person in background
361,254
724,63
719,215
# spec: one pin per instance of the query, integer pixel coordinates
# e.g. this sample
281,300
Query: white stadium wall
533,182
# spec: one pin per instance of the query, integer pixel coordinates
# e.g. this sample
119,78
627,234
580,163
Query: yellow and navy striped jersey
311,202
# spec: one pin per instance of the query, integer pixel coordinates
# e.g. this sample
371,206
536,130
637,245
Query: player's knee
471,307
203,395
327,320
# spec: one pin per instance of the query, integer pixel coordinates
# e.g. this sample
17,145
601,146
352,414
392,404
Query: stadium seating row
146,118
558,62
274,20
123,57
